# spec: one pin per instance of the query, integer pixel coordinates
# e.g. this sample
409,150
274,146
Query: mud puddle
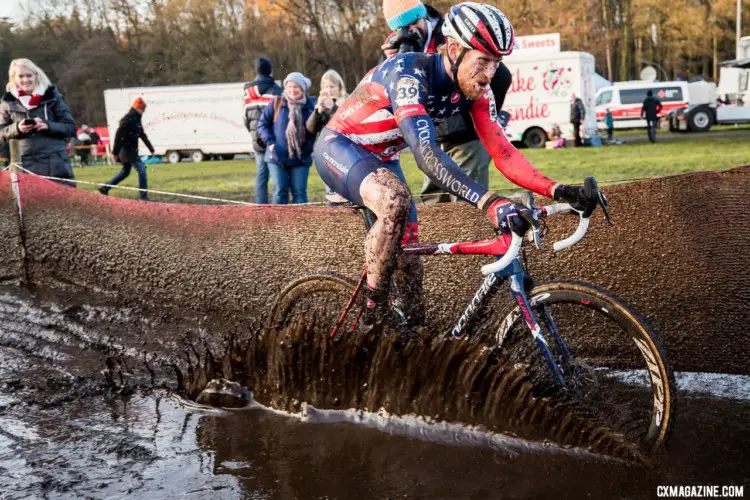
69,429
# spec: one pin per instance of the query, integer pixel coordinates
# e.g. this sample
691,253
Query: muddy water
84,415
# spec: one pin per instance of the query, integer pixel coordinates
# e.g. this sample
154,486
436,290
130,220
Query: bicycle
613,359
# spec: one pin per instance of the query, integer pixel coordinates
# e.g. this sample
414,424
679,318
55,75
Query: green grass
235,179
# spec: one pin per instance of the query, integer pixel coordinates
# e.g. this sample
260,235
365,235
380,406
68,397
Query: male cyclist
396,105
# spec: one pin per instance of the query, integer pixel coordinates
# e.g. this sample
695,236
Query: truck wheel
535,138
174,157
197,156
700,120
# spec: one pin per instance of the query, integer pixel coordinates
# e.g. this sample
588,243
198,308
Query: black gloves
578,197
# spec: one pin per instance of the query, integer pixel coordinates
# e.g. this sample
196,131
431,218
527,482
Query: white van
539,97
625,100
194,121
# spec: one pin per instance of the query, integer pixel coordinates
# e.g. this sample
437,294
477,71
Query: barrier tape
419,198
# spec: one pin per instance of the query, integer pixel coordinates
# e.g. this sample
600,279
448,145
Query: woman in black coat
34,112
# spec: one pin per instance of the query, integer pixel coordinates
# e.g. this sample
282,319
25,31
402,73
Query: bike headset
478,26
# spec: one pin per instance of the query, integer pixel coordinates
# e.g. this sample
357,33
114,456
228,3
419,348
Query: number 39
404,92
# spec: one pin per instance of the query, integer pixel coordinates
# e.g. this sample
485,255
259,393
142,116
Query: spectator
83,145
609,121
289,144
556,138
332,91
34,112
577,114
419,28
258,94
96,141
650,111
125,149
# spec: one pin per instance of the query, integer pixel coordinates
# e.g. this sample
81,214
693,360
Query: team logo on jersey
407,91
455,97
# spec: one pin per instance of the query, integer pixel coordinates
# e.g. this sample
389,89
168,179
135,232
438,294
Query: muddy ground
86,412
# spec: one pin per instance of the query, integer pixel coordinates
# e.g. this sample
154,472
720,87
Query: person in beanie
456,134
34,112
258,94
125,148
289,144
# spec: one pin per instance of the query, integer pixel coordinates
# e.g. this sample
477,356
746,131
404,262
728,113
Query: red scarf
29,101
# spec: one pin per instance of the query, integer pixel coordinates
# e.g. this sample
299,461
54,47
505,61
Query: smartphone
28,121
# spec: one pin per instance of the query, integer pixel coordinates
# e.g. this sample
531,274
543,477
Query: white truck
194,121
625,101
539,97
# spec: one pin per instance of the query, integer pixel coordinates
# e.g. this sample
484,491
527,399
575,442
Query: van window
637,96
604,98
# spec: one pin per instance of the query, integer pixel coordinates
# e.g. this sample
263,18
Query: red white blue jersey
379,116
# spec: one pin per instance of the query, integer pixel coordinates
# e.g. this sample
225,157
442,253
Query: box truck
539,97
186,121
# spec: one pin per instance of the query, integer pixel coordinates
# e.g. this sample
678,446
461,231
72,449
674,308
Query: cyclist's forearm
419,133
515,167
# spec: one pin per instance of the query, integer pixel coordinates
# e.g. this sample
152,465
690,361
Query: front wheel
614,367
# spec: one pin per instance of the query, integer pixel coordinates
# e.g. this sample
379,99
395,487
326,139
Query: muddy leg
384,194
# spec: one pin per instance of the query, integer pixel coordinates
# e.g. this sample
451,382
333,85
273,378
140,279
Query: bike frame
517,276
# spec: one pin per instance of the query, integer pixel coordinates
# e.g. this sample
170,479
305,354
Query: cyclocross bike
583,341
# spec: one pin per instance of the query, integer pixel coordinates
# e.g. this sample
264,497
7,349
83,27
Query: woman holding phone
33,111
332,91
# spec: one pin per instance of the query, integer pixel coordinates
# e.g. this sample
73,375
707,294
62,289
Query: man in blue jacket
289,145
258,94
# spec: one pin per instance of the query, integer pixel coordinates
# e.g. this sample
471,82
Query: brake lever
603,203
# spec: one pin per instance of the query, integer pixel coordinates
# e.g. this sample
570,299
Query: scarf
295,130
29,101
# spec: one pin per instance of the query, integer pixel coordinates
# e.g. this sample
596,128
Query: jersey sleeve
508,160
408,96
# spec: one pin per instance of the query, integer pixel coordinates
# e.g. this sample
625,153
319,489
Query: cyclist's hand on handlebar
581,198
508,217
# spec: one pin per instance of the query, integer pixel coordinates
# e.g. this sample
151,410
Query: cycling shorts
343,165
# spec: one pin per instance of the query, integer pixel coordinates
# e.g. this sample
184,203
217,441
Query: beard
472,83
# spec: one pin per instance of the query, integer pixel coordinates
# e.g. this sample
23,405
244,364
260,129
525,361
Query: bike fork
519,294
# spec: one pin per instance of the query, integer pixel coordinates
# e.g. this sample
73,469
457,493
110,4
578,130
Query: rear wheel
616,371
197,156
174,157
535,138
320,298
700,120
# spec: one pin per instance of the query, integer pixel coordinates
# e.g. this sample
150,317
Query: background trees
87,46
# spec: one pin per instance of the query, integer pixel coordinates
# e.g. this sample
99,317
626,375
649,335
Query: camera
407,41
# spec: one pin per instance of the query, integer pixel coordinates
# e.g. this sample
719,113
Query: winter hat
139,104
400,13
263,66
300,79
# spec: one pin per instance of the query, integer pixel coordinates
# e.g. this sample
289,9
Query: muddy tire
620,374
319,298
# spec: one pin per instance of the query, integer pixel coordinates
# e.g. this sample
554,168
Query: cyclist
397,105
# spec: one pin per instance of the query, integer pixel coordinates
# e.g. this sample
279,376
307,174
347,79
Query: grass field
234,180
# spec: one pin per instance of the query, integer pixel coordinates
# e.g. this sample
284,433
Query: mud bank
224,265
